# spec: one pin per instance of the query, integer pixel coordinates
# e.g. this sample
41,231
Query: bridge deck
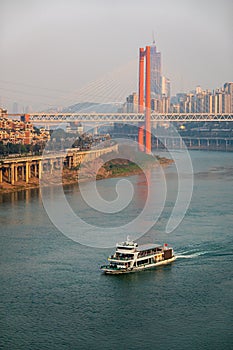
127,117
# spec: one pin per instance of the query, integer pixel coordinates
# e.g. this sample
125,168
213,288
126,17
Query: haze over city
55,53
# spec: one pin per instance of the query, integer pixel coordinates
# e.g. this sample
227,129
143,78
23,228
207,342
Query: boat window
127,248
124,256
142,262
145,253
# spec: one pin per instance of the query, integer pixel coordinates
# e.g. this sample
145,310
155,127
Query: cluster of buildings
20,132
204,101
198,101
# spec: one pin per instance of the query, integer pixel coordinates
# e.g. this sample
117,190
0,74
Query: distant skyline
59,52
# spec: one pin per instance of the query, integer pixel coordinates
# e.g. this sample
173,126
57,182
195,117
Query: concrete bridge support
16,173
39,169
13,170
141,138
12,174
27,172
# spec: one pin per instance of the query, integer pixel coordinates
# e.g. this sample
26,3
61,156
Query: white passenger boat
131,257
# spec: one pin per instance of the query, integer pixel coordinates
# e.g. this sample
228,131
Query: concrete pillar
12,172
27,172
16,173
40,169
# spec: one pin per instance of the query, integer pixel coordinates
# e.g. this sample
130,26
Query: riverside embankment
52,176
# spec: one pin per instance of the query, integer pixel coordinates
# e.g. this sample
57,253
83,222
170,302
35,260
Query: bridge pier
141,138
12,174
39,169
27,172
16,173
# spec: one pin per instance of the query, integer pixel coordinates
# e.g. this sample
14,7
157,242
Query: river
53,295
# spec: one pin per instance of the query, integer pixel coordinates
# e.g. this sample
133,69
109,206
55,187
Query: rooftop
148,246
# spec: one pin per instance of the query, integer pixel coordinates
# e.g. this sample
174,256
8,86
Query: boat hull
110,271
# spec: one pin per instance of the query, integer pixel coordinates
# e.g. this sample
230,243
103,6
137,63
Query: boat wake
190,256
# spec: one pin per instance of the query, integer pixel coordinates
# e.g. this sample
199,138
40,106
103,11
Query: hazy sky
58,52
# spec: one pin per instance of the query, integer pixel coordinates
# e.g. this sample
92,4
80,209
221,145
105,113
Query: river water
53,295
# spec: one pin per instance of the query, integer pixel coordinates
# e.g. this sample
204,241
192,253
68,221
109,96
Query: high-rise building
208,102
155,62
165,86
227,99
228,88
132,103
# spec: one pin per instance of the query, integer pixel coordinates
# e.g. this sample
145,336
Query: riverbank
116,167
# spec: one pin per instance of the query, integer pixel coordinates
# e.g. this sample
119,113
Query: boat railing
146,255
139,256
112,257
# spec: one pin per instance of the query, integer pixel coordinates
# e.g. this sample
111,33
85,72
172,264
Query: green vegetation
121,167
19,149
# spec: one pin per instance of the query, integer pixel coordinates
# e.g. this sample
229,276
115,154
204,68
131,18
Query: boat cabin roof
148,246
